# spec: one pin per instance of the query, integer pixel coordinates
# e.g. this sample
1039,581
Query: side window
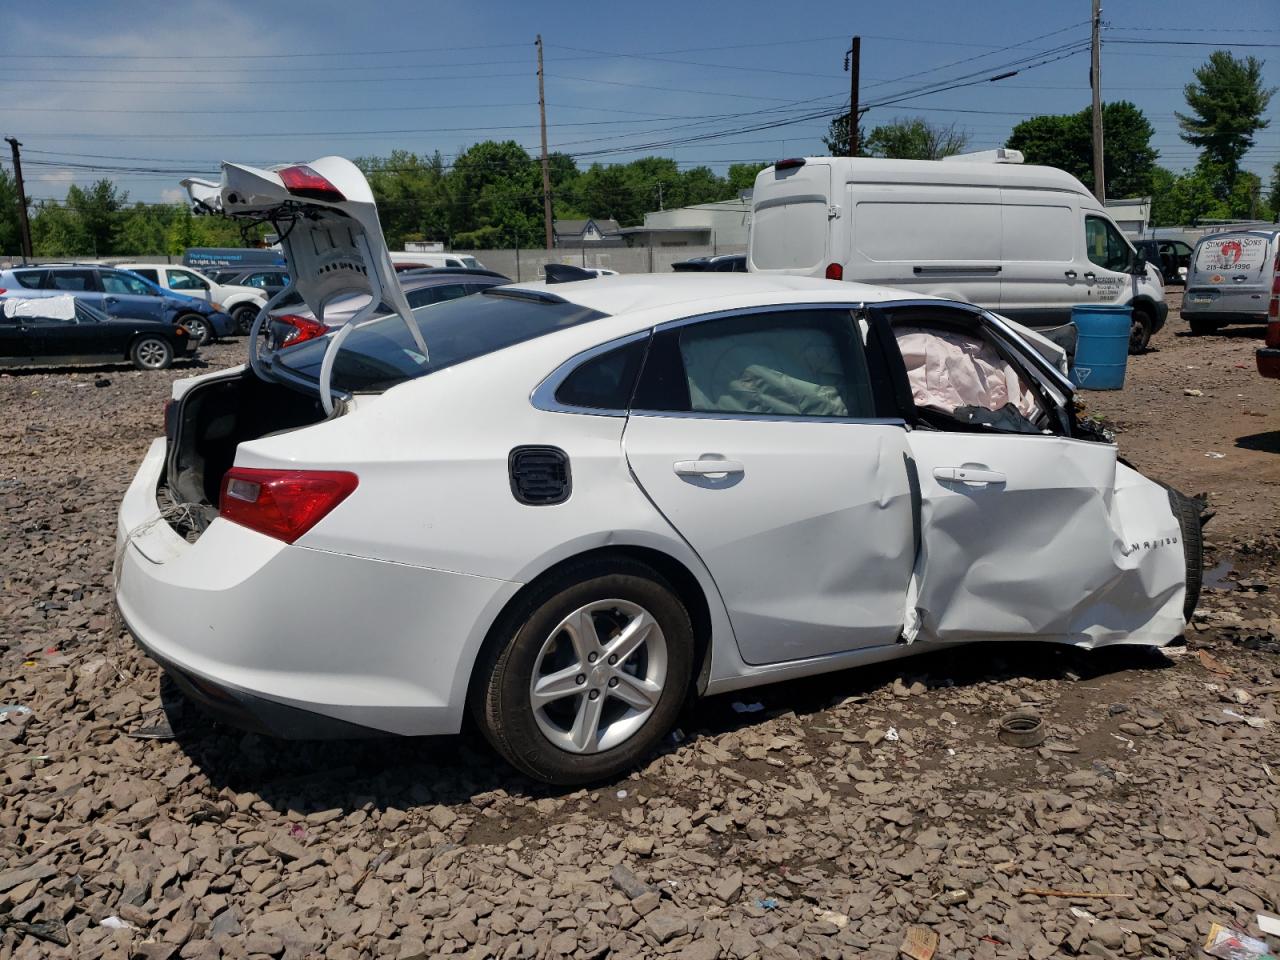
113,282
453,263
181,280
32,279
427,295
793,363
604,382
1105,246
152,275
80,280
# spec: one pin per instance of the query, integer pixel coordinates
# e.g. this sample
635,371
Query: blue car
118,294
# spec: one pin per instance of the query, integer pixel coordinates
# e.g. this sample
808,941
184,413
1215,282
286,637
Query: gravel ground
829,818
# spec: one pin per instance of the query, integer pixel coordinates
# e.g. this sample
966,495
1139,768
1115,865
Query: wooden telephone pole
1095,81
546,167
852,63
22,199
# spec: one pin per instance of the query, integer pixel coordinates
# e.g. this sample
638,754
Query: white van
454,261
1026,241
1231,279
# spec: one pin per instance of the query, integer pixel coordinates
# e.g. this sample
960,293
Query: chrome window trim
768,417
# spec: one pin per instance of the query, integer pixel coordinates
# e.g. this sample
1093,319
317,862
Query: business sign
1232,255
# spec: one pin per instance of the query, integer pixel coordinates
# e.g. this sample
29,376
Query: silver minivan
1229,279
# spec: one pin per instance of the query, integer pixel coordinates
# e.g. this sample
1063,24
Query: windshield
381,353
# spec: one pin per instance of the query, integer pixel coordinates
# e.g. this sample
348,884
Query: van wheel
1140,330
587,674
151,353
1203,328
197,326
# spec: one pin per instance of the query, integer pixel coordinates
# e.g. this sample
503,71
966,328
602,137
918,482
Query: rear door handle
1070,274
707,468
968,475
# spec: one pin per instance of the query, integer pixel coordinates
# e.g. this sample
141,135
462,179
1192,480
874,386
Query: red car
1269,356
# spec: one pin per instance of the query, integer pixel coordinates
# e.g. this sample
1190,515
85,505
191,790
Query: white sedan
569,507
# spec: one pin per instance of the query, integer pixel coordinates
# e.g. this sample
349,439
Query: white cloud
57,176
175,195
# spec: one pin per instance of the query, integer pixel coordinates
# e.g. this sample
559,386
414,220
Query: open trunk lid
327,221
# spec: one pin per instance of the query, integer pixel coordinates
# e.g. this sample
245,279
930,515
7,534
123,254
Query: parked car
568,507
1232,279
1170,257
1269,356
118,294
269,279
725,263
243,303
1028,241
421,288
67,329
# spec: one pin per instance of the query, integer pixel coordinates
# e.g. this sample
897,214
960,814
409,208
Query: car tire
1140,330
200,329
1203,328
244,316
567,737
1188,512
151,353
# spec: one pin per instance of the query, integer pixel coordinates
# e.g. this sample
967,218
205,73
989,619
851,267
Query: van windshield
381,353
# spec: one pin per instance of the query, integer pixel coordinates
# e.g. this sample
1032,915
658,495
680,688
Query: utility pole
22,199
1095,81
660,206
546,167
852,61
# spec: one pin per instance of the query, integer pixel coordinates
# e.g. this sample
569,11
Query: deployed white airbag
62,307
948,369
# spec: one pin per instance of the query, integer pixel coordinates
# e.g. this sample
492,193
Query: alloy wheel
152,354
598,676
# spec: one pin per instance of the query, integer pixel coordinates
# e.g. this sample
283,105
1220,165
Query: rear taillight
3,291
301,329
835,271
283,504
302,181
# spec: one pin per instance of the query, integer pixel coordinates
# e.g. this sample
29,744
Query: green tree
10,230
144,230
607,192
56,231
1227,101
412,196
1273,195
914,139
837,137
701,185
1184,198
1065,141
742,176
497,185
97,208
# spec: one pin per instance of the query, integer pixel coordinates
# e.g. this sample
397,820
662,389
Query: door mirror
1139,265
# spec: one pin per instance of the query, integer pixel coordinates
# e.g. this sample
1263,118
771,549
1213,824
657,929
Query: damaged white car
566,508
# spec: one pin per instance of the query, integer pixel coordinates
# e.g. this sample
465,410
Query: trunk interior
211,420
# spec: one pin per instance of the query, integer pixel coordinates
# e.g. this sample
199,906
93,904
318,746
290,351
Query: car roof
1269,234
627,293
413,280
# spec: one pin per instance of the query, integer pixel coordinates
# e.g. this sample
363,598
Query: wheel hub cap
598,676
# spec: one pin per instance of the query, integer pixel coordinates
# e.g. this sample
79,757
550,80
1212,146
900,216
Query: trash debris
1256,722
1022,728
628,882
52,931
1214,455
951,898
1050,892
622,794
102,382
13,709
768,903
740,707
1241,696
918,943
1125,740
1269,924
892,734
1212,664
830,916
676,736
1192,392
115,923
1230,944
1081,914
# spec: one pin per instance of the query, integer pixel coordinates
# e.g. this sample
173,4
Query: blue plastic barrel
1102,351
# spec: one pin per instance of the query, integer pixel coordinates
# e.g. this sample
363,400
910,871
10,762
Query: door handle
1070,274
968,475
1091,275
707,468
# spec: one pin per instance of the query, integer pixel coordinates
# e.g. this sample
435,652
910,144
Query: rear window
1232,254
32,279
381,353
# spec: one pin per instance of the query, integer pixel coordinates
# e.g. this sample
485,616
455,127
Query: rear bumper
1269,362
293,641
1224,316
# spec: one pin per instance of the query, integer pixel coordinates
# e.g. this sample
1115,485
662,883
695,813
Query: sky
174,87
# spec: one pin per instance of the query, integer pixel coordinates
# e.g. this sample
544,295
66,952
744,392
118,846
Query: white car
243,303
568,507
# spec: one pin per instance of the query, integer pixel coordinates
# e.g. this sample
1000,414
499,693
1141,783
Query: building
587,233
722,225
1131,216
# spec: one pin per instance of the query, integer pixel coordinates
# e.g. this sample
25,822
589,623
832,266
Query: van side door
1041,278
